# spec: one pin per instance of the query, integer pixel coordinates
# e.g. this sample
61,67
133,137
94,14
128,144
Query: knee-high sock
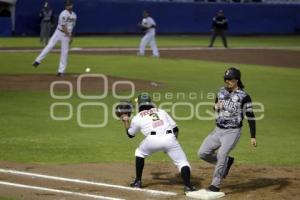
139,166
185,175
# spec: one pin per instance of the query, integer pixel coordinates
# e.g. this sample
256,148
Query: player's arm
65,30
218,105
130,128
248,111
63,22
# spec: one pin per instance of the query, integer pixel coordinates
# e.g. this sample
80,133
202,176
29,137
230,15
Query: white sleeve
134,127
152,22
145,23
62,20
75,20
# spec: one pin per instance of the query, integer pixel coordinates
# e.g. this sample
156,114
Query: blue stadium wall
121,17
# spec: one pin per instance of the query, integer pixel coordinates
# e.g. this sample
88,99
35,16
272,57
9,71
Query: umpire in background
219,27
46,16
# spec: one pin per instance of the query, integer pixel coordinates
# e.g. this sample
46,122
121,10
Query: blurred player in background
63,33
148,26
219,27
46,16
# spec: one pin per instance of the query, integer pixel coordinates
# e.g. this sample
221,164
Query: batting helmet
232,73
144,99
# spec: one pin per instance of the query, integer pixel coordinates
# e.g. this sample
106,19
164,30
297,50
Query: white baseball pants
149,37
56,37
166,143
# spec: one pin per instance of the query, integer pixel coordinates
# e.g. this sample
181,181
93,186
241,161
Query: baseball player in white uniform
148,26
161,133
63,33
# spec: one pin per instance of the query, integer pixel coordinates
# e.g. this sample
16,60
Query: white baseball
87,70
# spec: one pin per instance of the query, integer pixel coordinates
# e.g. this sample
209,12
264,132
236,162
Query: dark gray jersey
46,15
234,106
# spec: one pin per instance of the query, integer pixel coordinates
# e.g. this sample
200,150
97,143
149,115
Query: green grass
163,41
28,134
6,198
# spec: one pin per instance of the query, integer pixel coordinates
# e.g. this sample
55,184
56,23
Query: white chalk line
155,192
57,191
125,49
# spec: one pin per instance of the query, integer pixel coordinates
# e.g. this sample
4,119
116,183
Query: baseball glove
124,107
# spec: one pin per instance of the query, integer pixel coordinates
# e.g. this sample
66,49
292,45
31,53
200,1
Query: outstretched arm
125,120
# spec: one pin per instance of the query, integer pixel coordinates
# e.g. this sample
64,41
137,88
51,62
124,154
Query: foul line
57,191
157,192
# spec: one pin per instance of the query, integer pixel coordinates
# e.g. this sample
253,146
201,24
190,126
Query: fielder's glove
124,108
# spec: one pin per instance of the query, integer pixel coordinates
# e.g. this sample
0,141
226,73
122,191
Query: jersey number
154,116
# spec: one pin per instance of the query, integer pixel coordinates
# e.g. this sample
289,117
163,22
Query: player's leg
153,46
212,39
54,39
144,150
228,139
139,167
64,54
42,34
47,33
223,36
175,152
208,147
145,40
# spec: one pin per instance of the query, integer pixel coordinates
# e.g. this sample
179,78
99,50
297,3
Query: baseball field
58,140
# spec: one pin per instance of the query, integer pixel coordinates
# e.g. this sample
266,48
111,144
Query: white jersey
149,25
153,120
67,19
148,22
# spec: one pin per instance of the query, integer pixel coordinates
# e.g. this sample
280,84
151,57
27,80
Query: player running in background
63,33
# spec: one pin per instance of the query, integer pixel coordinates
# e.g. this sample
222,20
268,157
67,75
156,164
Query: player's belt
60,30
223,127
167,132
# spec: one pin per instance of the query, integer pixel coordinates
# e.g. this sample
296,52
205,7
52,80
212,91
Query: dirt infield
265,57
258,56
244,182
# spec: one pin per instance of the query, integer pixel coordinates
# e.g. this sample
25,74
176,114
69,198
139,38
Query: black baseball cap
232,73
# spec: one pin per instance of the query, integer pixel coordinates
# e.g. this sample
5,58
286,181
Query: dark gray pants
215,33
223,140
45,32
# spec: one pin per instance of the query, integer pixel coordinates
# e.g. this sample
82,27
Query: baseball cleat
35,64
140,54
213,188
187,189
229,163
136,184
59,74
